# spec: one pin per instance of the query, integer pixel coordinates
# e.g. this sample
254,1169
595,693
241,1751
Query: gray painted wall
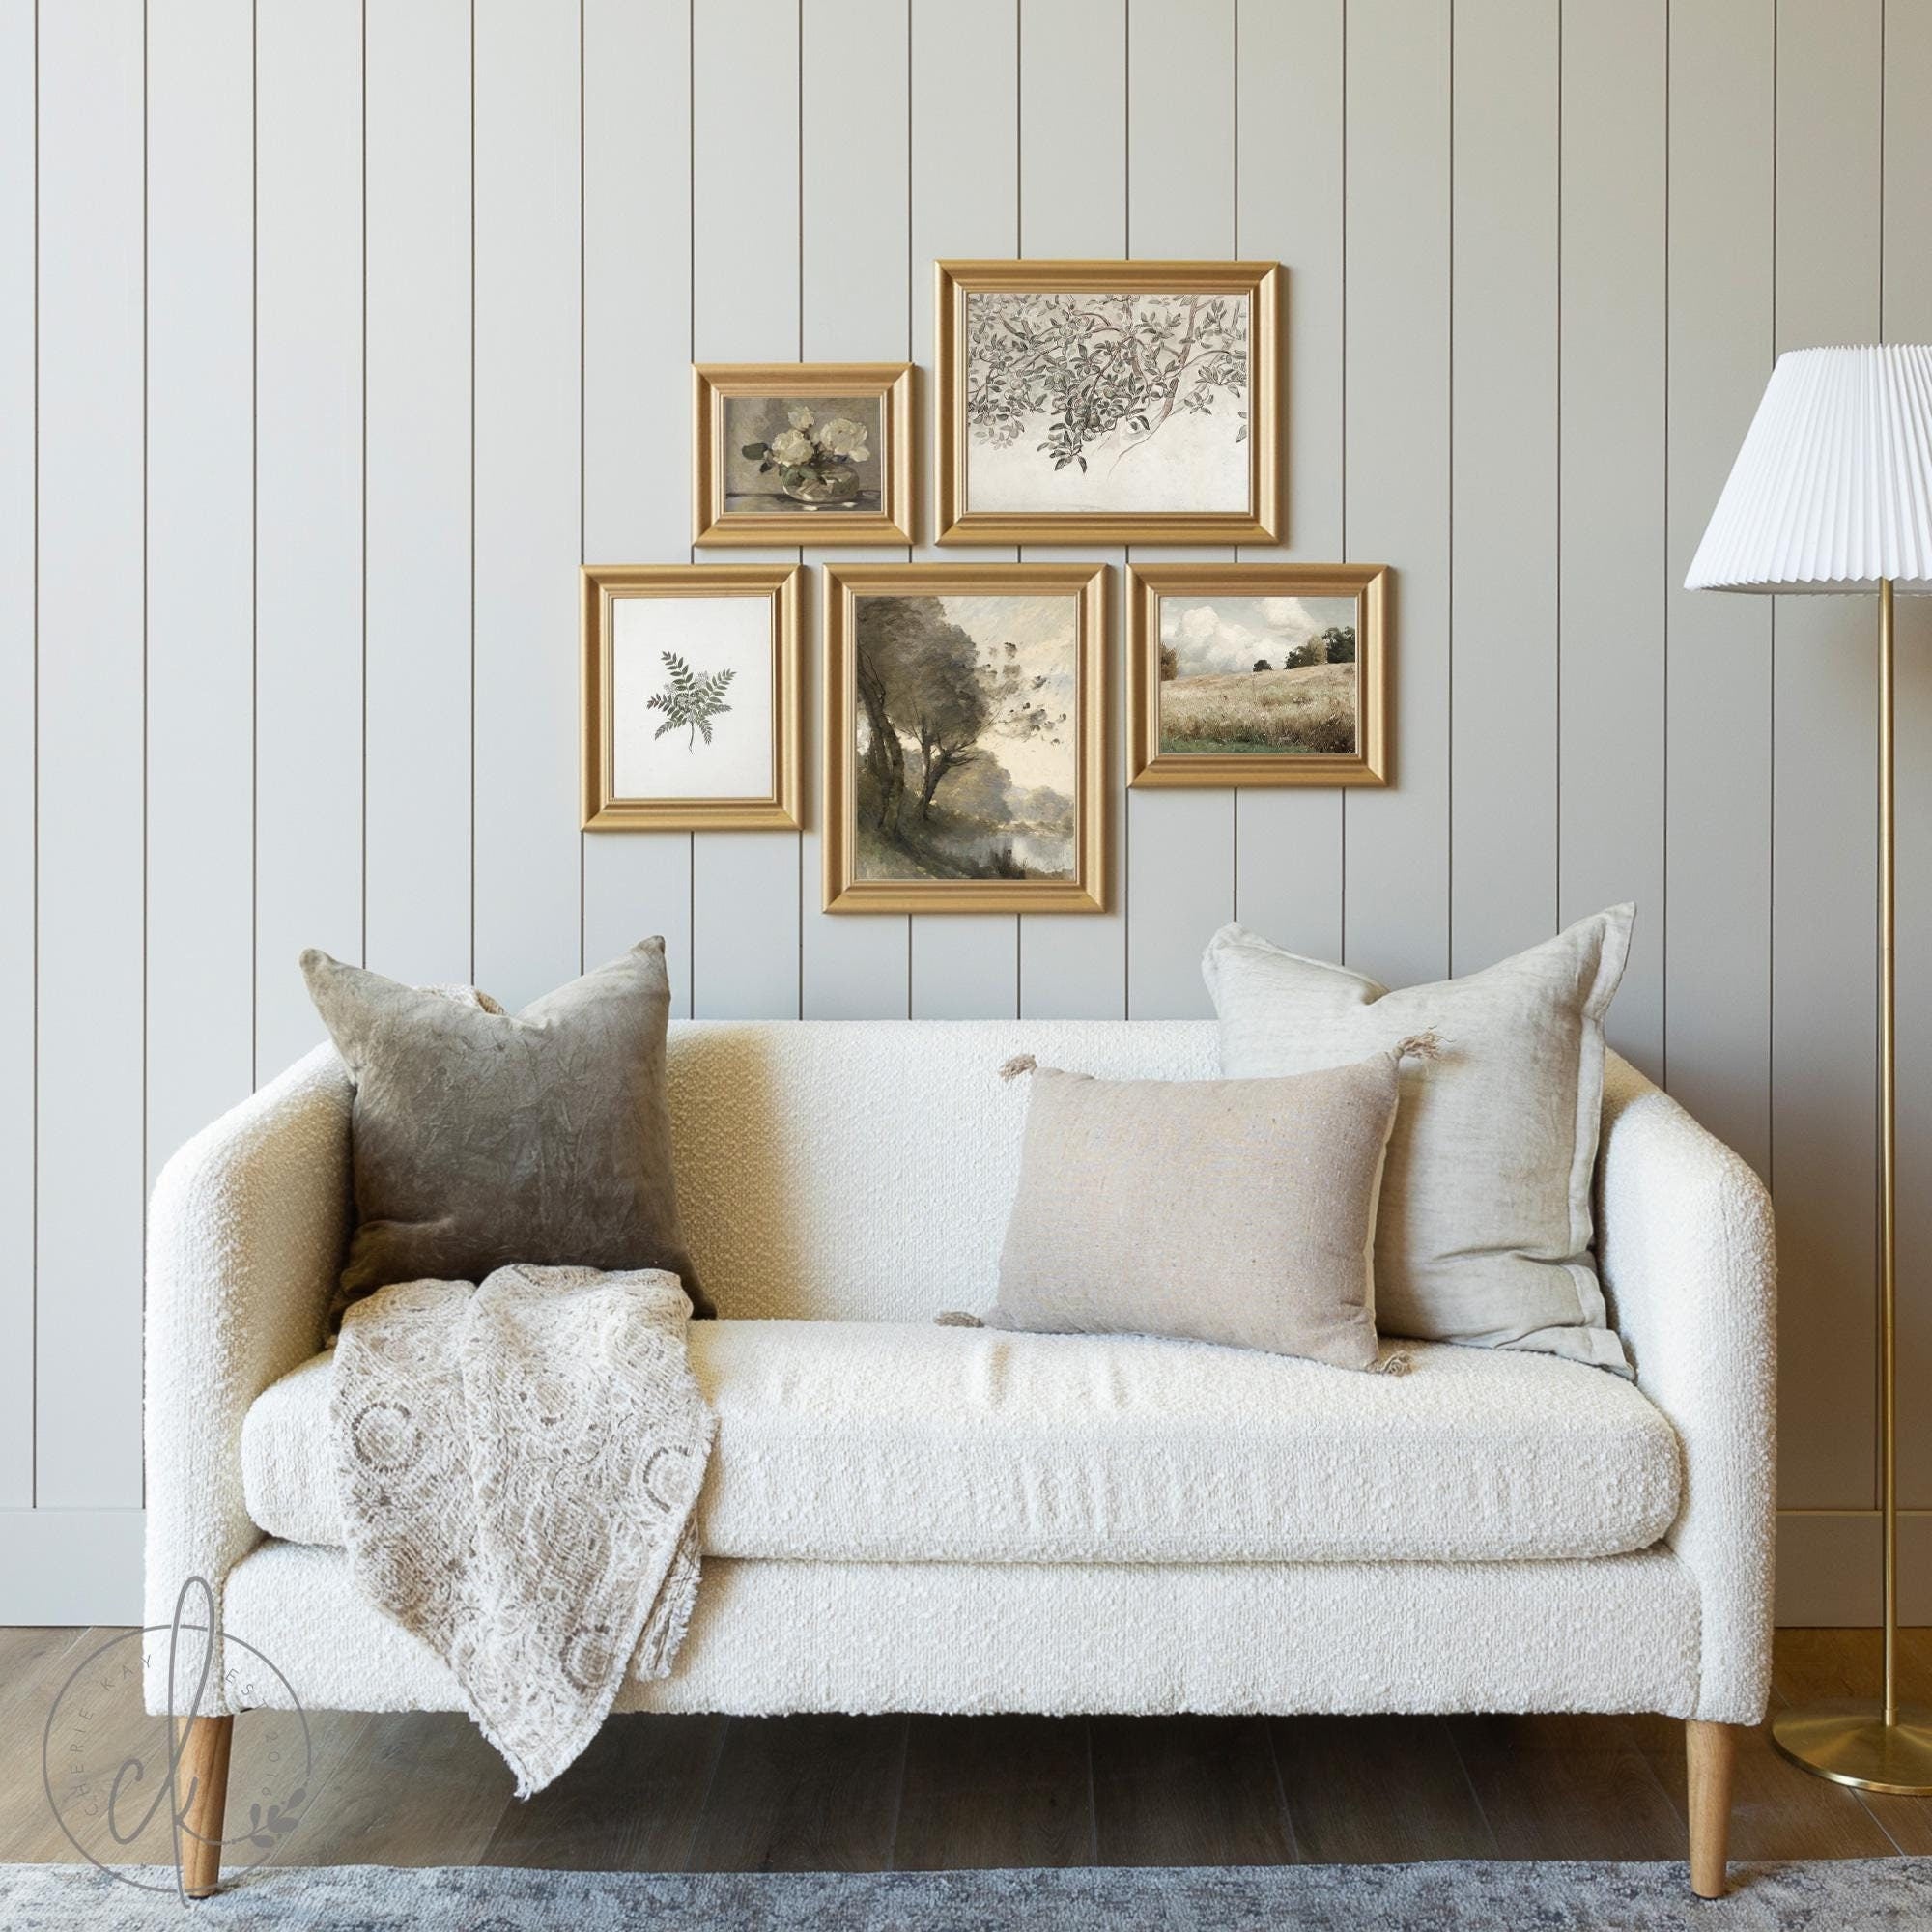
333,338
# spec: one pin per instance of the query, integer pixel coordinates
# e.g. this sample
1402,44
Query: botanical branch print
1107,401
1101,366
690,703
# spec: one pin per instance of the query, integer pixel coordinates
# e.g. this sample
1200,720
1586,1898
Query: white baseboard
84,1566
80,1566
1828,1567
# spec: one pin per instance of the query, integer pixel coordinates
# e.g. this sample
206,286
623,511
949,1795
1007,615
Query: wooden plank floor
858,1794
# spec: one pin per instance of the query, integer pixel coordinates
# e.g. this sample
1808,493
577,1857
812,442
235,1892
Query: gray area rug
1853,1896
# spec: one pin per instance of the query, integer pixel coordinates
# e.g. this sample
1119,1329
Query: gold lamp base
1852,1744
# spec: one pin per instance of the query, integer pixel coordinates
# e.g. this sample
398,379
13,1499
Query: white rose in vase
843,437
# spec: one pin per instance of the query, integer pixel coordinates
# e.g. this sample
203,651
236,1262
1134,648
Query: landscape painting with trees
965,738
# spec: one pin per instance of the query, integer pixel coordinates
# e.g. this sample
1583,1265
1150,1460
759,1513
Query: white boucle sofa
906,1517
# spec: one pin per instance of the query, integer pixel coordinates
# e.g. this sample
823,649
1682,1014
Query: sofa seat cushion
882,1441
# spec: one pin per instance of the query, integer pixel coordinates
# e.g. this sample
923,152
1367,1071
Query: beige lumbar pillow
1484,1234
1223,1210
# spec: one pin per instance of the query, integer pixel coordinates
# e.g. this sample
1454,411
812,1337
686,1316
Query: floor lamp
1832,493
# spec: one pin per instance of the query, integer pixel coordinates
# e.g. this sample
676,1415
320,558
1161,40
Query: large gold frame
1088,890
783,585
1148,765
892,521
1260,281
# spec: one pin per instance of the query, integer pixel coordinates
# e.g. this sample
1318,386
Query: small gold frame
782,586
892,521
1258,281
1368,764
1088,890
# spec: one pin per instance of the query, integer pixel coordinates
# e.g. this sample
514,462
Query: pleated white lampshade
1832,488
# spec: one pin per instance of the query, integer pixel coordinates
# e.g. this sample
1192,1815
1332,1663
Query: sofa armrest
245,1233
1684,1241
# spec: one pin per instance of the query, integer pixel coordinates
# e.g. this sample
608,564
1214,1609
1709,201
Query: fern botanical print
693,694
690,703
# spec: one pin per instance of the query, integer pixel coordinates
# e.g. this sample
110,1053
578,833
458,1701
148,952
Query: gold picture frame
702,690
1154,758
1045,437
1008,681
885,388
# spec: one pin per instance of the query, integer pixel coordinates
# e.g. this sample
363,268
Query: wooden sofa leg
1711,1753
201,1795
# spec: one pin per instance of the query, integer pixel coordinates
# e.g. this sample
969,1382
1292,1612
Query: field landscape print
1257,675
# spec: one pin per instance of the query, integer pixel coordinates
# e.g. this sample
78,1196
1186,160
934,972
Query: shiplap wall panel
1398,398
87,1341
418,465
1180,203
1824,750
200,565
747,284
528,482
1288,203
1906,316
1073,202
1716,180
18,81
856,296
1717,766
636,423
965,204
308,511
1504,224
1610,489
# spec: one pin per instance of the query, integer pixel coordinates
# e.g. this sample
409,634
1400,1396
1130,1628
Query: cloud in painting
1213,636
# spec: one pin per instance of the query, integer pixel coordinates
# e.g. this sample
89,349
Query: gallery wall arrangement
414,317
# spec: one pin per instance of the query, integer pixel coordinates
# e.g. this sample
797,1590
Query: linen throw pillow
483,1138
1241,1212
1483,1233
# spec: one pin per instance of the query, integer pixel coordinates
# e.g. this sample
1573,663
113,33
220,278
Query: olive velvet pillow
1485,1226
1241,1212
482,1138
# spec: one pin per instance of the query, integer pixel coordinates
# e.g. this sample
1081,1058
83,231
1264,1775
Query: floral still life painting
1257,674
1130,402
963,747
690,696
822,454
802,452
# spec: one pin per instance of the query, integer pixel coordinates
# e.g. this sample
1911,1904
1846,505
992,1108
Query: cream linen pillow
1484,1234
1224,1210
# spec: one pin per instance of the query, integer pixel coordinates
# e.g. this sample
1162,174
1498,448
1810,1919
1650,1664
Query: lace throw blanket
518,1466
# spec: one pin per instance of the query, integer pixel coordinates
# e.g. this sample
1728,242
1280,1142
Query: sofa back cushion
864,1170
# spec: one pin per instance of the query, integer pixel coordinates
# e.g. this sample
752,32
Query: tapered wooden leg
1712,1753
201,1794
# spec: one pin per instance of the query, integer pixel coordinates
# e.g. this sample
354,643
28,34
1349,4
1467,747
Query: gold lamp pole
1832,492
1883,1746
